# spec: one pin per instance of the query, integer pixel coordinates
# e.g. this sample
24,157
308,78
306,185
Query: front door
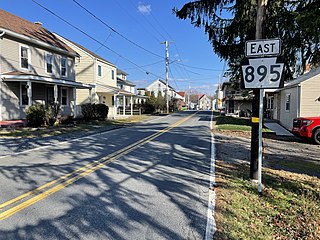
50,95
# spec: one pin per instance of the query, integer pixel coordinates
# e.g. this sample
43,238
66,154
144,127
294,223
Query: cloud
144,8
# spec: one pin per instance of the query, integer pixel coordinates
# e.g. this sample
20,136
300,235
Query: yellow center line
84,171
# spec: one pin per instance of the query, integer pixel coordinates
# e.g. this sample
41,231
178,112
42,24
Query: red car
307,127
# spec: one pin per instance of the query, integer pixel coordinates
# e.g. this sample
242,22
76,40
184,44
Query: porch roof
21,77
115,90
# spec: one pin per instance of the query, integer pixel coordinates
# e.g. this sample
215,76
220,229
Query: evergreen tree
161,102
230,23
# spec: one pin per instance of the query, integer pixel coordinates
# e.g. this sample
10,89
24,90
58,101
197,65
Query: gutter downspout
95,79
1,35
298,99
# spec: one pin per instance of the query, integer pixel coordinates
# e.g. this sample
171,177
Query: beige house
234,102
35,67
298,98
102,75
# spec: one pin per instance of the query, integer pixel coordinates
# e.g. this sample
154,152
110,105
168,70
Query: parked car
307,127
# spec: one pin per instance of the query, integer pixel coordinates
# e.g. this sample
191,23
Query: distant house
205,103
35,67
298,98
234,101
102,75
160,86
128,86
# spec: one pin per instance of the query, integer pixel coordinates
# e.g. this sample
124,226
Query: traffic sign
264,73
261,48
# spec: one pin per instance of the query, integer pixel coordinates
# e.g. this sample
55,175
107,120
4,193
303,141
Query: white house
298,98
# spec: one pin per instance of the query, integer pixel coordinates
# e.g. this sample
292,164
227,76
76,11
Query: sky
132,33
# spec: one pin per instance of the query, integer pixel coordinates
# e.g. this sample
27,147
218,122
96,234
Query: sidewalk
277,128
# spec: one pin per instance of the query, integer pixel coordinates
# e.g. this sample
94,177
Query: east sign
261,48
263,68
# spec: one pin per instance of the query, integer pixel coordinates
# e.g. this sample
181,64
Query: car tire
316,136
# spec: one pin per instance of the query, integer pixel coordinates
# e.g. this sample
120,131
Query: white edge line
211,222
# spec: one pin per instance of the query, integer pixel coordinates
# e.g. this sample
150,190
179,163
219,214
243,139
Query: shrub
53,112
101,111
36,115
94,111
87,111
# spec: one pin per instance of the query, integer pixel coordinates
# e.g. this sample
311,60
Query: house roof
303,78
125,82
35,31
87,50
201,96
182,94
165,83
224,84
119,71
116,90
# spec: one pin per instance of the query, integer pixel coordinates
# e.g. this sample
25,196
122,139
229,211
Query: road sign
265,73
261,48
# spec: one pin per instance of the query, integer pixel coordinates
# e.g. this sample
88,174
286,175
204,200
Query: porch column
131,105
1,100
124,105
55,93
74,102
29,93
90,95
115,108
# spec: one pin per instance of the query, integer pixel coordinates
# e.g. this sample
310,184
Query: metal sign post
260,142
261,72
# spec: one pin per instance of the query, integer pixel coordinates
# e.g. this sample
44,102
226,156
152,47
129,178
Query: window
64,96
99,71
112,74
25,58
24,94
49,60
288,96
112,100
63,67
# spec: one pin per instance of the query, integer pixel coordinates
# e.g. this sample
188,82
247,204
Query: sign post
262,69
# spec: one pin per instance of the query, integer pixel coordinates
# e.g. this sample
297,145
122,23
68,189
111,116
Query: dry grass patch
288,208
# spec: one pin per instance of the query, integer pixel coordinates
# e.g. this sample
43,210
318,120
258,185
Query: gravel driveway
283,153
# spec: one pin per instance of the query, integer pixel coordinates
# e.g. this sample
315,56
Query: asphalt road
148,181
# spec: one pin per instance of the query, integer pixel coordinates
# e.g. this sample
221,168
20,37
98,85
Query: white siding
286,116
310,92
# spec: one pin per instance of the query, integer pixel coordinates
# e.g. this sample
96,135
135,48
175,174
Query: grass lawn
287,209
28,132
234,124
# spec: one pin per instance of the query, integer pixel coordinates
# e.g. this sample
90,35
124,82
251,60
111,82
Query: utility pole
256,145
189,95
167,74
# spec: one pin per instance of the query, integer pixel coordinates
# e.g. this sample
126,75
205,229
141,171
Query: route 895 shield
264,73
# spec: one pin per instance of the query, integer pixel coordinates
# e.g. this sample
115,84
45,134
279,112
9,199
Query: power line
173,77
105,41
136,20
206,69
97,41
112,29
145,65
